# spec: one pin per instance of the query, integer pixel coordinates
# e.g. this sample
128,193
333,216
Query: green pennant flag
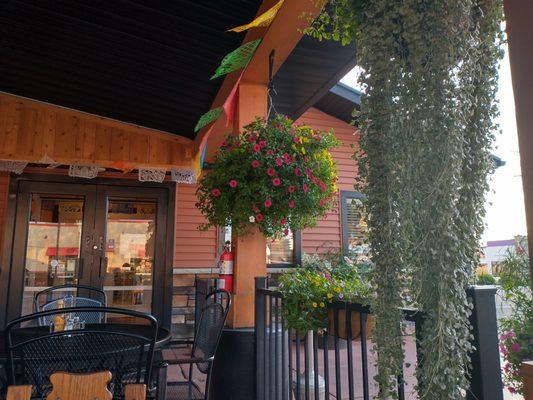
207,118
237,59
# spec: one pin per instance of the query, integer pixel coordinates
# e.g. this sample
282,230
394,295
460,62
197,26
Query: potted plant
276,176
311,289
516,339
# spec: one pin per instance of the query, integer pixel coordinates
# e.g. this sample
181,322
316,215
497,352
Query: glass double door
97,235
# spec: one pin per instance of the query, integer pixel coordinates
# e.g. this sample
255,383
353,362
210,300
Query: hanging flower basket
275,176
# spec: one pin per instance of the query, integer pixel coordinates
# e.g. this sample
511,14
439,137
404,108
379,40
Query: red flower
283,221
255,163
276,182
296,139
224,143
322,202
252,138
322,186
270,152
291,203
259,217
257,148
215,192
305,188
262,144
270,172
268,203
279,162
286,232
291,189
287,158
233,183
297,171
308,171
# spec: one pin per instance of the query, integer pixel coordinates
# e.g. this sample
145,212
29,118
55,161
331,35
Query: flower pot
355,323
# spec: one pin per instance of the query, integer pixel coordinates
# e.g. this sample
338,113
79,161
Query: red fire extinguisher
226,268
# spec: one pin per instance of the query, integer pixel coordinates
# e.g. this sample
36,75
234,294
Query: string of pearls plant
427,124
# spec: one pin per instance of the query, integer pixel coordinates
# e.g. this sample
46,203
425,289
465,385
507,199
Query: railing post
260,329
486,378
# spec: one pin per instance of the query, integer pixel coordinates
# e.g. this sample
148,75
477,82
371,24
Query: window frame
296,253
345,195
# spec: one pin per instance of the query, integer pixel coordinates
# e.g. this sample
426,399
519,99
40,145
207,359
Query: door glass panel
53,247
129,249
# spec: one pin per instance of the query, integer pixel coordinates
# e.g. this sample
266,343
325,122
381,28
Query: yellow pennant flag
263,20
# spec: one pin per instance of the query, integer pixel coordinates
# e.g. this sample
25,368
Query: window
280,253
354,226
284,252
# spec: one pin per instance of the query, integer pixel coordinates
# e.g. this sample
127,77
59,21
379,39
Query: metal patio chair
34,353
51,298
209,327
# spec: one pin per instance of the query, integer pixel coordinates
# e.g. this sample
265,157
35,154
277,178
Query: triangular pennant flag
263,20
200,156
231,103
122,166
207,118
237,59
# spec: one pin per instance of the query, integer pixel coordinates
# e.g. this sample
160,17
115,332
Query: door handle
103,267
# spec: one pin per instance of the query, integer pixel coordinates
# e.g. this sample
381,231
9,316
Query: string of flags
237,59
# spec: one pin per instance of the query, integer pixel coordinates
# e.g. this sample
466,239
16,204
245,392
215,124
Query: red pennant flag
231,103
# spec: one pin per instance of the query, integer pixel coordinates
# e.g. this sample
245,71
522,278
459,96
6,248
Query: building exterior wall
327,234
4,191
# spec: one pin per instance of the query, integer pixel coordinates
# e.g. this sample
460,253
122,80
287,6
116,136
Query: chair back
77,291
67,386
34,353
209,326
90,318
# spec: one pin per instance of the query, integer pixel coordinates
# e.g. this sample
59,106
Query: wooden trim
19,392
31,130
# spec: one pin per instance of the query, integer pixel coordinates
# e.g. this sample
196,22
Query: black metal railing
339,363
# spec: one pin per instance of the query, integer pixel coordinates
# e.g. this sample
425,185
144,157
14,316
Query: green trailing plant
276,176
320,280
427,124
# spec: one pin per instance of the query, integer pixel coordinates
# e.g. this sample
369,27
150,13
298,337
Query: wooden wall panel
30,130
192,248
327,234
4,192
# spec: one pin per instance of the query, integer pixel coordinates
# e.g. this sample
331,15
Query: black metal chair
34,353
209,327
51,298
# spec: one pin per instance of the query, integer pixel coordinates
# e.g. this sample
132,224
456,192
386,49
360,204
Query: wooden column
527,376
250,250
519,14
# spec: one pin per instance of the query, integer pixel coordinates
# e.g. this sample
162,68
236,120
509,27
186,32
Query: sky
505,214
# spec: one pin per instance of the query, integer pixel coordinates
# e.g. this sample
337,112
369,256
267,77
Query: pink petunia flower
286,232
255,163
259,217
257,148
262,144
252,139
270,152
297,171
305,187
286,158
233,183
515,347
215,192
296,139
276,182
322,202
279,162
283,221
291,203
271,172
268,203
291,189
224,143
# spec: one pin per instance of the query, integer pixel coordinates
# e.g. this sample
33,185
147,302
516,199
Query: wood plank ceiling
140,61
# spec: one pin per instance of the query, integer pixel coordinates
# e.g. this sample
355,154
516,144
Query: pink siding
192,248
328,232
